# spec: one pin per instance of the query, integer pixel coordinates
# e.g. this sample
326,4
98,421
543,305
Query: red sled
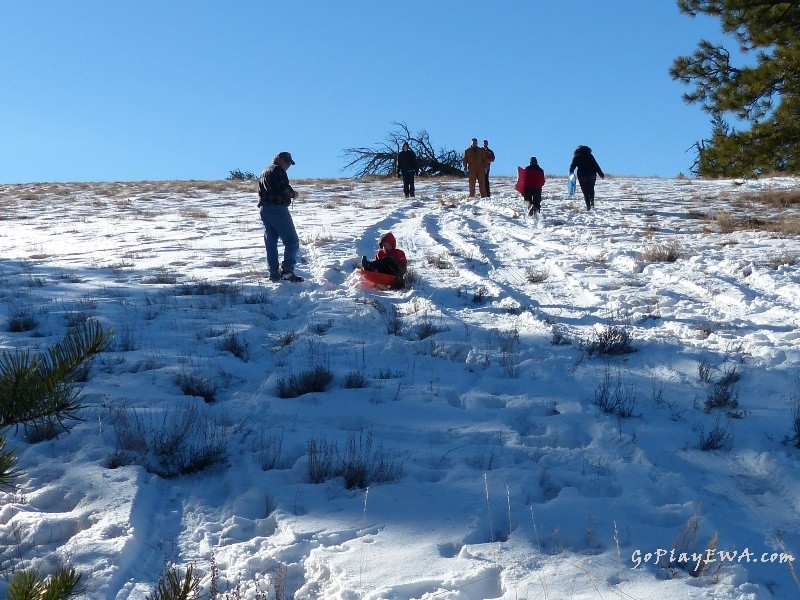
520,187
383,279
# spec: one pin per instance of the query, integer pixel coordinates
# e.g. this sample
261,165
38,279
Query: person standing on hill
474,160
407,168
583,160
274,197
489,153
534,182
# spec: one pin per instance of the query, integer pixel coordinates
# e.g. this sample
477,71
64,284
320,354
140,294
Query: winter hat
387,238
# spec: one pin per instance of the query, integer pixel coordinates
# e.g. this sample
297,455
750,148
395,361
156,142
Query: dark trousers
533,196
387,265
486,183
408,183
587,187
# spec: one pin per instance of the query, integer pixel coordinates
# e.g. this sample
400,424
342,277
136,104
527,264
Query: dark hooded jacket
585,163
407,162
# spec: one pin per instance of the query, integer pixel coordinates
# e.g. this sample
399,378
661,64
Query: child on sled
389,259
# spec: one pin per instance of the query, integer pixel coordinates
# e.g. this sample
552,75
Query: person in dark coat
534,182
274,197
489,160
583,160
407,168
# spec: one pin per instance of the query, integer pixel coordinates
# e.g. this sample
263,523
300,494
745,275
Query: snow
480,391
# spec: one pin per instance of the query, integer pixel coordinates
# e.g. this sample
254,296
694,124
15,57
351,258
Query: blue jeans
278,224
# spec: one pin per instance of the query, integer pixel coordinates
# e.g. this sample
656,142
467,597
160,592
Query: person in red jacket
534,182
389,259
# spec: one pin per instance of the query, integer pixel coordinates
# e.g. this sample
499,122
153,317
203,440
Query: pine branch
35,389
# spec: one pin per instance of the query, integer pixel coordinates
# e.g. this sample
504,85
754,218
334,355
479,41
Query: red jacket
398,255
534,177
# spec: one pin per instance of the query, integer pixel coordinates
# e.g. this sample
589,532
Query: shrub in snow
664,252
180,441
611,339
237,346
360,466
536,275
615,400
197,385
722,393
716,439
314,380
355,379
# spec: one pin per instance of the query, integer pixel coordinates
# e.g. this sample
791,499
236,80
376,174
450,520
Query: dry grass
725,222
447,202
536,275
783,225
337,201
196,214
785,259
662,252
440,261
776,210
777,198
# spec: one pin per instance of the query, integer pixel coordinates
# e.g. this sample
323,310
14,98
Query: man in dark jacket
407,168
588,170
274,197
489,160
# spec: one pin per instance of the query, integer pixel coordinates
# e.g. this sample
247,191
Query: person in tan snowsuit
474,160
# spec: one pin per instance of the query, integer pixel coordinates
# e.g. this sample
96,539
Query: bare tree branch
382,158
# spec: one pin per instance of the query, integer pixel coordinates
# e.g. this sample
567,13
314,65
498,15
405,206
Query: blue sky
149,90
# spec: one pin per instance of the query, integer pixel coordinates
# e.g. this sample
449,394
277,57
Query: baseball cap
286,156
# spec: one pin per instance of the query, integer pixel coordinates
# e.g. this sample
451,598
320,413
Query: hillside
546,404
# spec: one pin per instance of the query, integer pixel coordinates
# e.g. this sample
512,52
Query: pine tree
764,96
30,585
8,465
37,389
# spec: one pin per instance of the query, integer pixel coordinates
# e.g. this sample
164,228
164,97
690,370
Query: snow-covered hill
474,397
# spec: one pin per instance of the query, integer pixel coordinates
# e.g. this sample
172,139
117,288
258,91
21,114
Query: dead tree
382,159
